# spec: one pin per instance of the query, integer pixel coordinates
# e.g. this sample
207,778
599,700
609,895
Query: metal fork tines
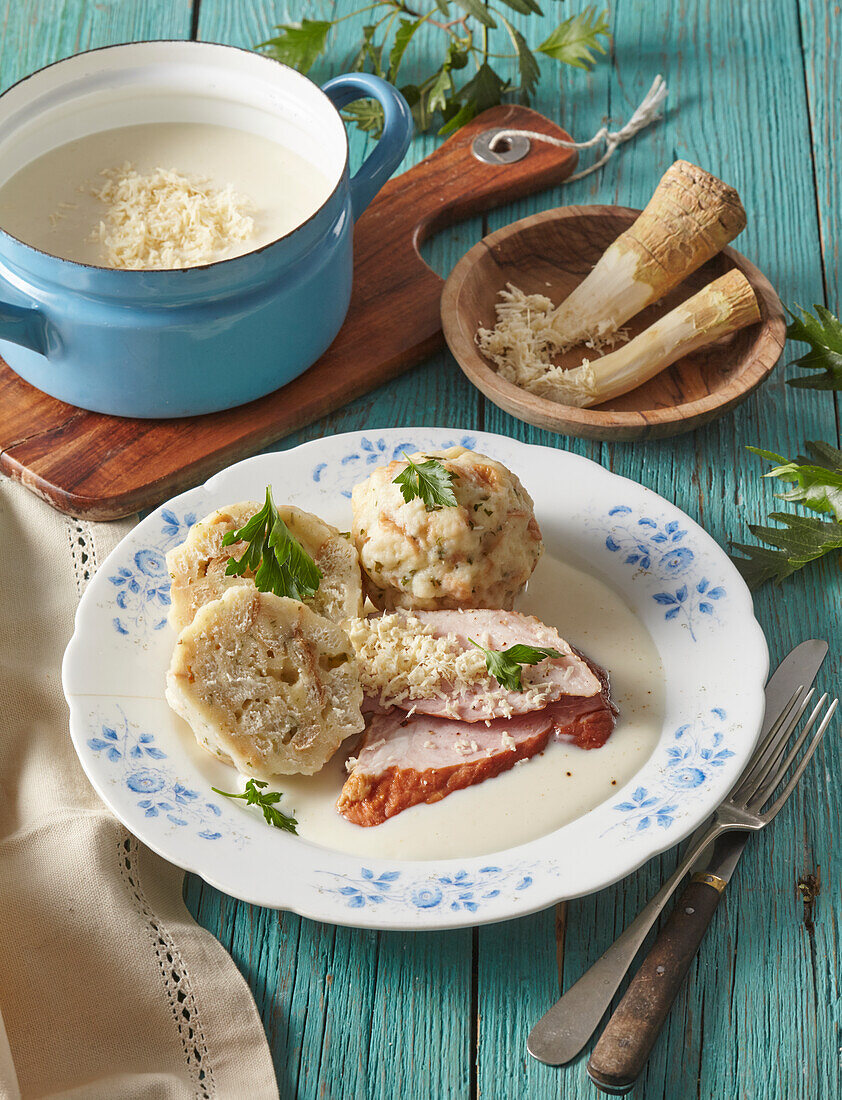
754,800
769,766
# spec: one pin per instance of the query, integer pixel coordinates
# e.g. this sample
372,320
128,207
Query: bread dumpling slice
197,566
266,683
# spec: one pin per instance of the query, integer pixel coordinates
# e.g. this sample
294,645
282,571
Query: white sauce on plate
534,798
49,204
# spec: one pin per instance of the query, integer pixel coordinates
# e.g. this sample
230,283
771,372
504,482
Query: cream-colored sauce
541,795
49,204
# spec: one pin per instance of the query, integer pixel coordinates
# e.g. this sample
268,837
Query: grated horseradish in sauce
164,219
161,195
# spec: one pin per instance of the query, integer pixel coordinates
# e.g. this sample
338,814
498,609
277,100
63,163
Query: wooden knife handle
625,1044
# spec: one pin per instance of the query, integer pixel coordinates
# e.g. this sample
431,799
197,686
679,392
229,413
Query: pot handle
394,142
24,325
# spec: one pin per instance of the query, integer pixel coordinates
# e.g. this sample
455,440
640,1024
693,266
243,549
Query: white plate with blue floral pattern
668,570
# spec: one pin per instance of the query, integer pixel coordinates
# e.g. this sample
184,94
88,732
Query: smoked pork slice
405,760
587,722
423,662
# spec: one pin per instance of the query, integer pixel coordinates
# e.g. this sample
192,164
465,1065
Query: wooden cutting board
103,467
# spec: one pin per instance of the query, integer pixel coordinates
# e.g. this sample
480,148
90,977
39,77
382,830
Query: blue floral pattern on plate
460,891
137,765
656,549
698,749
353,467
143,591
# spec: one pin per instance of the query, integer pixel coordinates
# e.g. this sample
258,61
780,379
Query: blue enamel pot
196,340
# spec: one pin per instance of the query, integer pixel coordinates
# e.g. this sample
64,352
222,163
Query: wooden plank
737,108
819,808
533,951
348,1012
39,32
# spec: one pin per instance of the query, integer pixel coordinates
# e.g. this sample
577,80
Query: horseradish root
723,306
691,216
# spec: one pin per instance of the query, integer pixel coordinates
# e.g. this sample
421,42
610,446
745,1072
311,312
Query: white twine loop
648,111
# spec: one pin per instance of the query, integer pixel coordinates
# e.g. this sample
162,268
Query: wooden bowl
550,253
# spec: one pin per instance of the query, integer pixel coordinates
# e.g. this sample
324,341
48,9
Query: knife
624,1046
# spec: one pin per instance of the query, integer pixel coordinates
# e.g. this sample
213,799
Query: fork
565,1029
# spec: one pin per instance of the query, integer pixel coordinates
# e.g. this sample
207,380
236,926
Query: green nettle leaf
504,664
824,335
477,9
366,114
458,117
485,88
385,40
368,52
523,7
823,454
574,40
403,36
437,96
299,44
803,539
818,483
527,65
419,104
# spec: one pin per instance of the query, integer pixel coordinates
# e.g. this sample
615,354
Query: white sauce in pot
534,798
50,204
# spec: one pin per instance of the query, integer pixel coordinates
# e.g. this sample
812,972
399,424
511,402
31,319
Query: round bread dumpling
197,567
478,554
265,683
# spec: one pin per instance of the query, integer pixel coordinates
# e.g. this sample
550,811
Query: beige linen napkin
108,988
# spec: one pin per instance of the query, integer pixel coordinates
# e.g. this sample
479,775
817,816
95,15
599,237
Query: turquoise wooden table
755,97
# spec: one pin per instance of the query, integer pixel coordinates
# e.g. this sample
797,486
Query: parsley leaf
253,797
817,478
430,481
824,335
299,44
803,539
278,561
504,665
573,41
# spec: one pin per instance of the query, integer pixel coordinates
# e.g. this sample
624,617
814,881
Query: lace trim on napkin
180,993
82,553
